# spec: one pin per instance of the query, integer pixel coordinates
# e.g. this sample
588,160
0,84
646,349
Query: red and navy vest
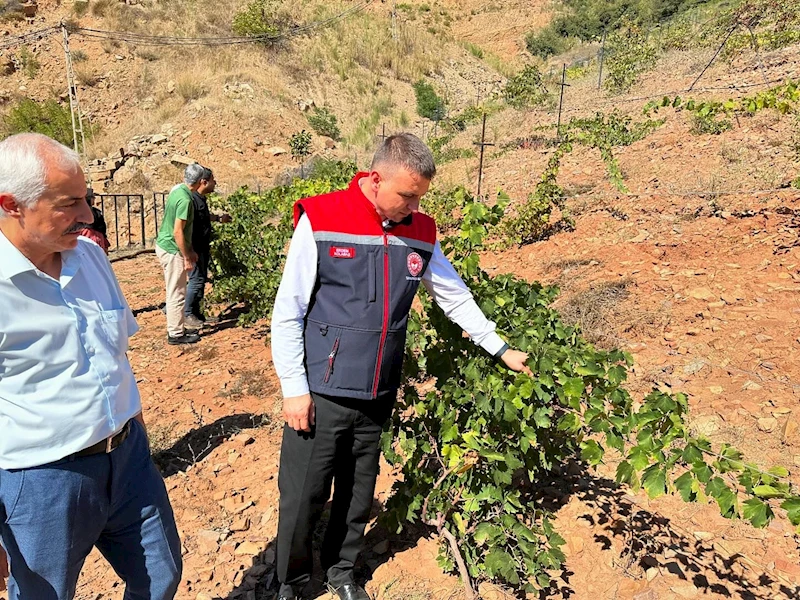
367,276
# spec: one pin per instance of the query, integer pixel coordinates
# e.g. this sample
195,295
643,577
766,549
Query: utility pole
78,138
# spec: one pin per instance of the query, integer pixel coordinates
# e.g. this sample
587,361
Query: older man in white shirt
75,468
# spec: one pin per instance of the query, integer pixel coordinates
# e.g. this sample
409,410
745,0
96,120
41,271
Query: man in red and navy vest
355,262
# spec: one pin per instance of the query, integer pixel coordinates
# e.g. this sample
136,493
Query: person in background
354,264
75,466
202,234
176,254
96,230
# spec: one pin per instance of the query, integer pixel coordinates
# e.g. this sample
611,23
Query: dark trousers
196,286
343,447
51,517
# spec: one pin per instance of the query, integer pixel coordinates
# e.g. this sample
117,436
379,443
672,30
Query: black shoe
186,338
350,591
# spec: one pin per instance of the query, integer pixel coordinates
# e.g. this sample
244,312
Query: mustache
76,228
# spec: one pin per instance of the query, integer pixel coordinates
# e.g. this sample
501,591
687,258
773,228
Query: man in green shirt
175,252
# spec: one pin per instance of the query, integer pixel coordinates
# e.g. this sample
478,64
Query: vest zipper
385,326
331,358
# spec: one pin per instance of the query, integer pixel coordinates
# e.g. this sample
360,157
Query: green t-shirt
179,206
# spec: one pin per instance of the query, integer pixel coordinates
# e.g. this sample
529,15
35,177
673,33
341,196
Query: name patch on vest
342,252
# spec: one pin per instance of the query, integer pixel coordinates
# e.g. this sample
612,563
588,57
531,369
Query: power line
156,40
27,38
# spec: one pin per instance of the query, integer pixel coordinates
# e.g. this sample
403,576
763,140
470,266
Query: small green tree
429,104
300,144
545,43
323,121
526,88
49,117
630,53
261,19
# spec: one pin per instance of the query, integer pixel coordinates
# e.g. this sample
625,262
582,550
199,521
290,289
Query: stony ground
707,303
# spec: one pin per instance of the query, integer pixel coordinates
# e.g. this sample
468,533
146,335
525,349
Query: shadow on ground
199,443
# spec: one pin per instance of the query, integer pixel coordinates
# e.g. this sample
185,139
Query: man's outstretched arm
452,295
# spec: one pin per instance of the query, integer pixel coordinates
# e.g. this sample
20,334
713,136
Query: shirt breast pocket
114,324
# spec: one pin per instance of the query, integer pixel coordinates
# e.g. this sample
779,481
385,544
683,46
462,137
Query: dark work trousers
343,447
196,287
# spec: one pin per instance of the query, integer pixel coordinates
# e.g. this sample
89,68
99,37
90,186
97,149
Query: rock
242,524
244,439
277,151
488,591
643,235
751,385
716,389
269,556
761,338
330,143
704,535
204,596
181,161
767,424
170,86
789,430
646,594
694,366
685,591
702,294
123,175
205,149
248,549
207,541
258,570
158,138
651,574
381,547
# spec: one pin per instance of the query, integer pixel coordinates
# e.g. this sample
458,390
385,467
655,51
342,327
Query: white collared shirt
297,285
65,380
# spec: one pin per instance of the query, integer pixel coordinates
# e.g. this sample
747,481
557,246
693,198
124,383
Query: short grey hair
196,172
24,159
408,151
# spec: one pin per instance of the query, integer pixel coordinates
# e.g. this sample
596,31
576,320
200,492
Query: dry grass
603,310
86,76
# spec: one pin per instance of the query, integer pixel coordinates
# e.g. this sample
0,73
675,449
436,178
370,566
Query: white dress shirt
65,380
294,294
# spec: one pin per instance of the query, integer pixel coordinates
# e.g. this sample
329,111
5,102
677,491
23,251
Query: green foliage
602,132
79,56
249,252
446,206
261,19
796,183
300,145
526,89
443,152
49,117
474,49
532,220
472,448
774,23
429,104
545,43
28,62
629,53
323,121
714,117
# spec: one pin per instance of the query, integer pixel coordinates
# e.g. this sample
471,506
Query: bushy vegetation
526,88
473,447
323,122
429,104
263,19
49,117
249,252
300,145
629,53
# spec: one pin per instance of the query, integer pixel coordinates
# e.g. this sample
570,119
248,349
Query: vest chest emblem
415,264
